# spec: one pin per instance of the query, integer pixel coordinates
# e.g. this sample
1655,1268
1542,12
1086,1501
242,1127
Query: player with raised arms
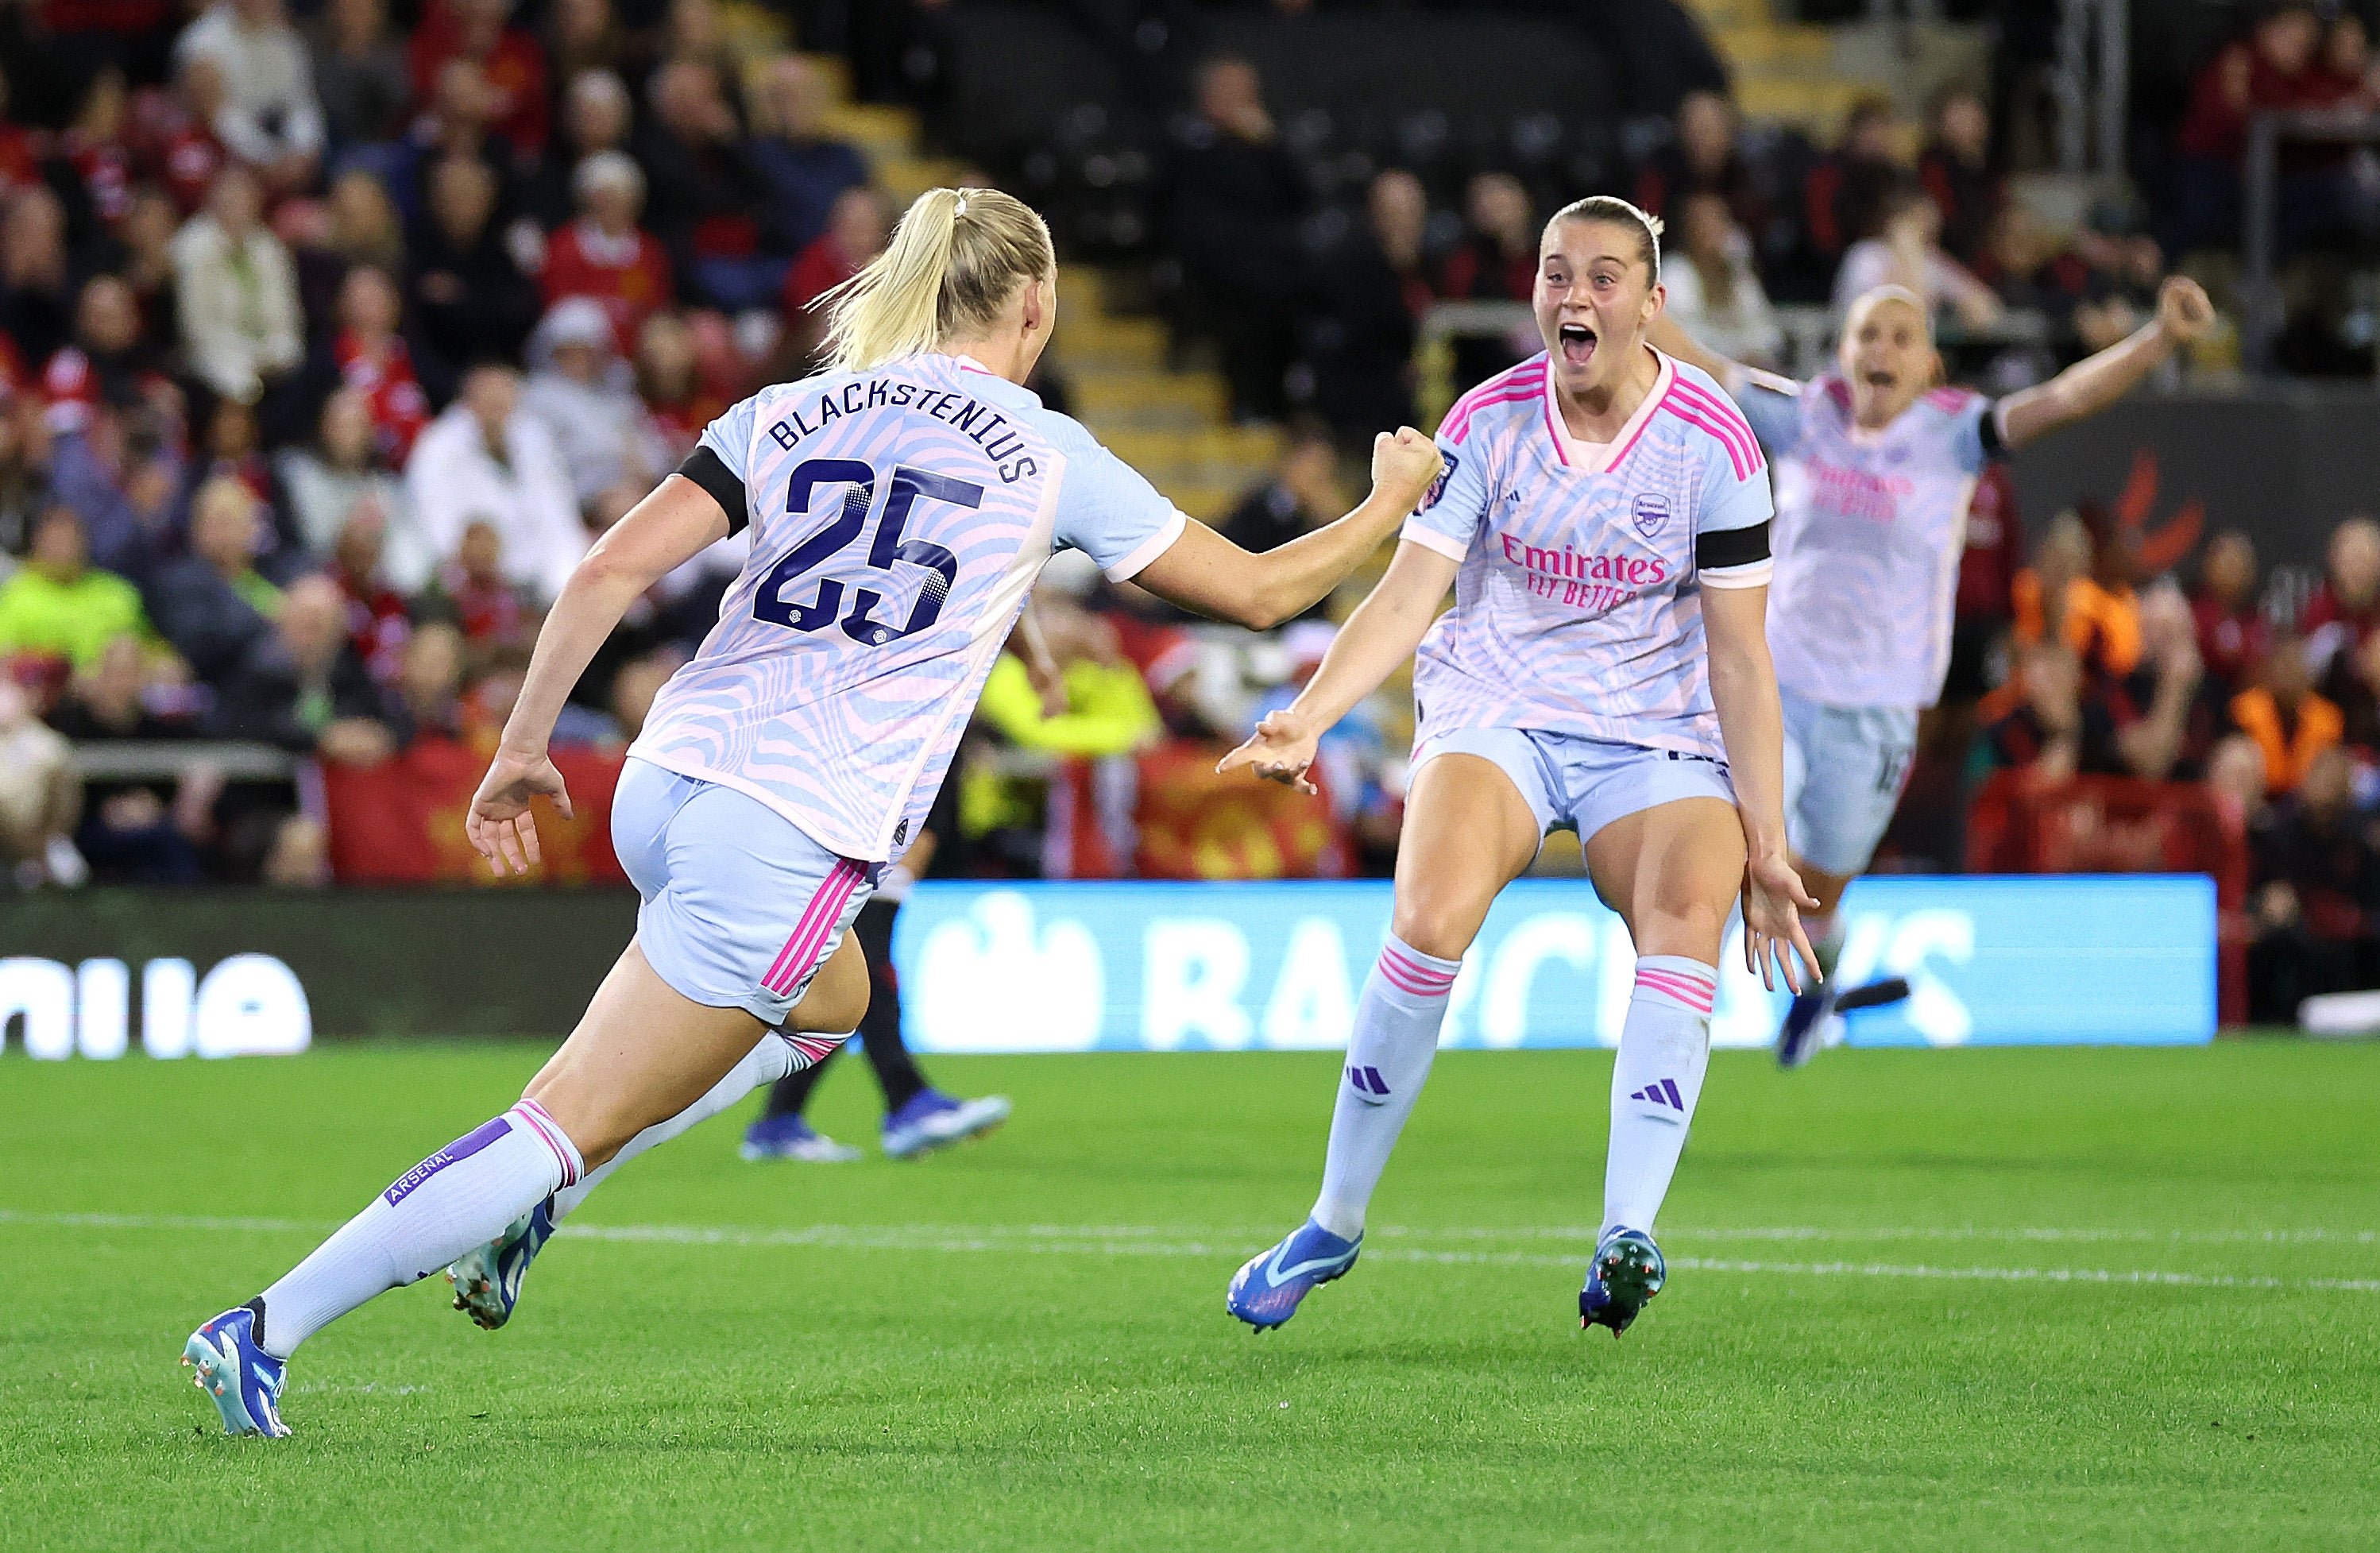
901,504
1875,463
1604,524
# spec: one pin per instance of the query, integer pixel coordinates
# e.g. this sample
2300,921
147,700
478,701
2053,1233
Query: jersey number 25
883,552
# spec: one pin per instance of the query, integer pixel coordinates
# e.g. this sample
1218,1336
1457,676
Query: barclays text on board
1125,966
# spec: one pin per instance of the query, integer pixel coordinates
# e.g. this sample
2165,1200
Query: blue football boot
488,1281
242,1379
929,1120
1628,1271
1266,1290
1800,1036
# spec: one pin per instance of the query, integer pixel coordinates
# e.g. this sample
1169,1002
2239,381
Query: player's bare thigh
1673,872
644,1051
1468,832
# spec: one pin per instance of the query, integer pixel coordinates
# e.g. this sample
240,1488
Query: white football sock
1664,1047
459,1198
1396,1035
772,1059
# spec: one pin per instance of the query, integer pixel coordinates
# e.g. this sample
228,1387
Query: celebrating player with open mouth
1875,464
901,506
1603,523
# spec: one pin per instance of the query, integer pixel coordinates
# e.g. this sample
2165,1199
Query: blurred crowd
328,346
2206,675
1316,303
326,350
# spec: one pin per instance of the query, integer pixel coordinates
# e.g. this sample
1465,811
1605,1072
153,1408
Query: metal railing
166,759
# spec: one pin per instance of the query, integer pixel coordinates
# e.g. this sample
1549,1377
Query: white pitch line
1152,1241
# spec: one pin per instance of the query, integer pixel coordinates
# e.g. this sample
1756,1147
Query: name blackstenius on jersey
981,423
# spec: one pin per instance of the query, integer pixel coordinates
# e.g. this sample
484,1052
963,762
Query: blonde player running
1875,466
901,506
1604,524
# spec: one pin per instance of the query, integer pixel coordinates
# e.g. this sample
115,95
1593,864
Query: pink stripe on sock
548,1130
1402,982
1682,988
1679,985
1414,967
1413,975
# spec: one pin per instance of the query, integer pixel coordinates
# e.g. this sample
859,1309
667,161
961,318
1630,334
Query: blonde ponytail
955,259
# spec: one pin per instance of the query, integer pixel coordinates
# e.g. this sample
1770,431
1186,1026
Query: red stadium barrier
2020,824
1187,822
401,821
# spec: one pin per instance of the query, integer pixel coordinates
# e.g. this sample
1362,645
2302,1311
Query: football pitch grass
2087,1299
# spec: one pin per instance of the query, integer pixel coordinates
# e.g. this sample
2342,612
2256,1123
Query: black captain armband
1721,548
710,471
1995,445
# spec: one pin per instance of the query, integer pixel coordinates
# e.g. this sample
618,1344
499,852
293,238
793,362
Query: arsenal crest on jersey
1651,510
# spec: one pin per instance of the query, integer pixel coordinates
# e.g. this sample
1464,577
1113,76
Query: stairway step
1125,395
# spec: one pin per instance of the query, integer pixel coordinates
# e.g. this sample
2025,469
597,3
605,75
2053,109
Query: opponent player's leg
918,1118
642,1052
1672,871
1468,831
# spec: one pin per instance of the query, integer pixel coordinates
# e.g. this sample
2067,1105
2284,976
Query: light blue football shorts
1844,770
741,907
1583,784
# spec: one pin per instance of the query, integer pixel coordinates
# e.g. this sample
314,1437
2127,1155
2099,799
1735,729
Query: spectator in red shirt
1987,571
856,231
1844,197
669,380
2346,607
2233,635
106,365
372,358
93,144
512,61
2272,68
192,153
706,191
379,625
473,591
603,255
21,149
1956,167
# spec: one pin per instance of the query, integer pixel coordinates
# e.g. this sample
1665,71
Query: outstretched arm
2092,384
1743,689
1381,634
1206,571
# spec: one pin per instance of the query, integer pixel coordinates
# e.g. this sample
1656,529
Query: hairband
960,208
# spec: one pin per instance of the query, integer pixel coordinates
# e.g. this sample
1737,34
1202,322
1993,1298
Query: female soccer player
1603,523
1875,466
899,506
